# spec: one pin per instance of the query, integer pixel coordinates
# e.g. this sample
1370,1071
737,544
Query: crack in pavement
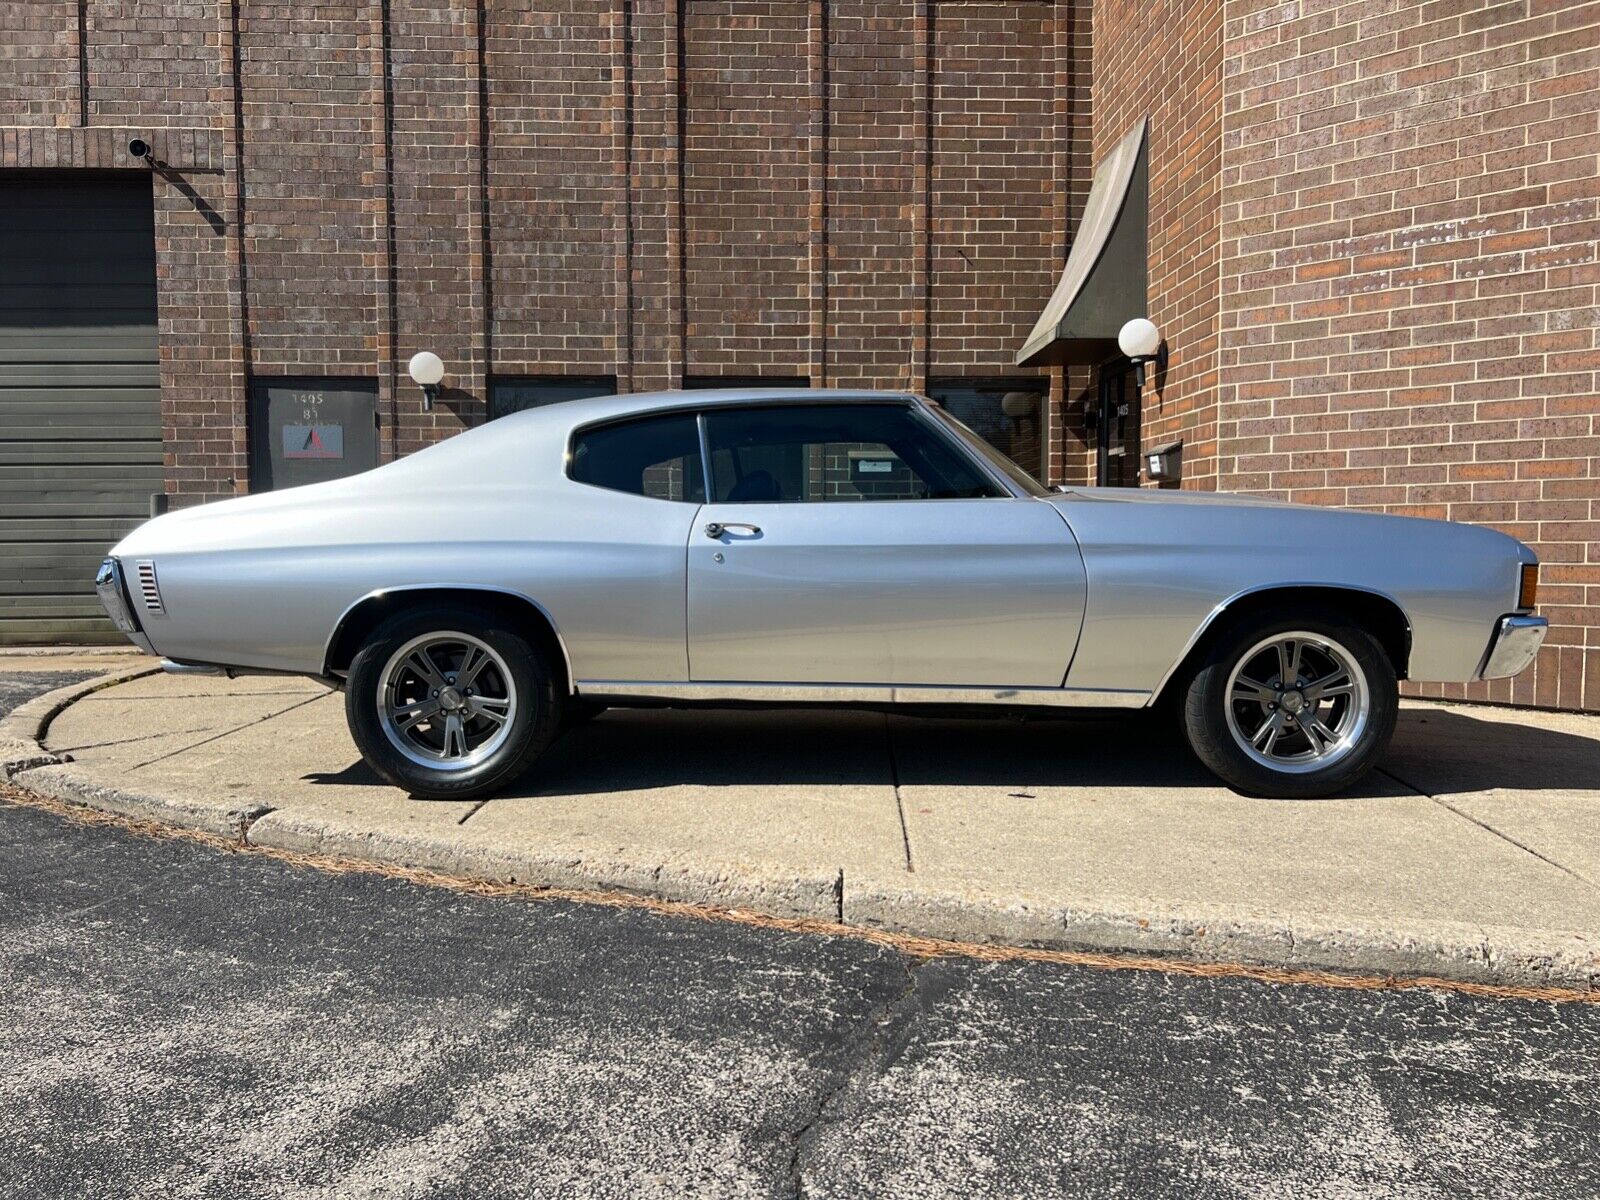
869,1050
143,737
226,733
899,801
1487,828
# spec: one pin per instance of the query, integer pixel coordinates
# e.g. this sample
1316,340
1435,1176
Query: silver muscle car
812,547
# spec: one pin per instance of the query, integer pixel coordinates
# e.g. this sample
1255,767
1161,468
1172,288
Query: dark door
1117,427
80,393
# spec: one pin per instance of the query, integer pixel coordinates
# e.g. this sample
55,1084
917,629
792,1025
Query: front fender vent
149,589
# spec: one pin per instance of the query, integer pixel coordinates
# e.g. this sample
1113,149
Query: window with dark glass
811,453
658,457
513,393
700,383
1009,414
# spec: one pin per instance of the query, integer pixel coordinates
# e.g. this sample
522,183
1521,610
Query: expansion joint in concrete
899,800
1487,828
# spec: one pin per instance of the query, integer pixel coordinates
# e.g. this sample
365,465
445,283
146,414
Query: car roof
572,413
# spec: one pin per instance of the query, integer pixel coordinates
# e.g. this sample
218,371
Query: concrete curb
22,730
1469,953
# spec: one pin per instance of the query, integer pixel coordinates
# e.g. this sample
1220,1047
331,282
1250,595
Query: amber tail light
1529,591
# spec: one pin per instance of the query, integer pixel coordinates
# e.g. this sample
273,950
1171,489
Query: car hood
1213,519
1170,496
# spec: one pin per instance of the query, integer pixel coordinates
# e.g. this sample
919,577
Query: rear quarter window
656,457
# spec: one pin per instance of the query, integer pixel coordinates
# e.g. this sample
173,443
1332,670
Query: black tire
1217,737
535,710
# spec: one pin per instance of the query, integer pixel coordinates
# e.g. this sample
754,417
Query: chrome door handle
717,528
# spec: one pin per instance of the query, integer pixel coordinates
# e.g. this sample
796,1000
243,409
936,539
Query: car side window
805,453
658,457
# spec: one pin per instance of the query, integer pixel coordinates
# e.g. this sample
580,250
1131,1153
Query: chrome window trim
705,457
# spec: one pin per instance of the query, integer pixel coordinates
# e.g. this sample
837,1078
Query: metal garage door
80,407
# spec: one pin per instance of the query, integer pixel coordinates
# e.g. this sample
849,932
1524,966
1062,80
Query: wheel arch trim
1222,607
510,593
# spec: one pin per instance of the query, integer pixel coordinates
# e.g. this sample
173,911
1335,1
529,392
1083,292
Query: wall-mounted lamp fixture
1140,340
139,148
426,371
1018,404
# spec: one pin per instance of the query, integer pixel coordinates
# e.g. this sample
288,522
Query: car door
860,543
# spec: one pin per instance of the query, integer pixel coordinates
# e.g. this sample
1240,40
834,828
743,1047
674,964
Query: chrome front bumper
114,599
1516,641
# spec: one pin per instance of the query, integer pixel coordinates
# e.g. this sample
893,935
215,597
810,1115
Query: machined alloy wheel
1297,702
452,702
447,700
1292,705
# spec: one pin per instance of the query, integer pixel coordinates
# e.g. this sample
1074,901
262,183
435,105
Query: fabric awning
1102,285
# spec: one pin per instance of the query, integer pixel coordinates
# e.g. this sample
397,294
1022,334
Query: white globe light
426,368
1139,338
1016,404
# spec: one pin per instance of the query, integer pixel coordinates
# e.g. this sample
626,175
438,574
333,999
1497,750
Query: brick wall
39,69
438,241
314,178
646,190
1409,309
153,63
994,243
554,193
747,187
1163,60
874,327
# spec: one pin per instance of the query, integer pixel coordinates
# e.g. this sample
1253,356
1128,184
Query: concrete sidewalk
1474,853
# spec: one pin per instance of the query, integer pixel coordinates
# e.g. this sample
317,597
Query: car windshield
990,455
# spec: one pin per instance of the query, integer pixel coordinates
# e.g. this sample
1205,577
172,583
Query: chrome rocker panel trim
849,693
1514,646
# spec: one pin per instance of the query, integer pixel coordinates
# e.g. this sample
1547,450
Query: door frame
1117,404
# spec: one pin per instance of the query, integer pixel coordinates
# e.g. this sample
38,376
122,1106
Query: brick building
1370,242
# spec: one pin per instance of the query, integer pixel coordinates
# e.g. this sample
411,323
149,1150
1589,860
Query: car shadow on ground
647,749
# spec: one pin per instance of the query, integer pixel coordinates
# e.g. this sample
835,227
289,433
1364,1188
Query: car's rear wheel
1292,705
450,702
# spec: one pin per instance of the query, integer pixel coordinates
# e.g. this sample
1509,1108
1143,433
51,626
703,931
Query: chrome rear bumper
1516,641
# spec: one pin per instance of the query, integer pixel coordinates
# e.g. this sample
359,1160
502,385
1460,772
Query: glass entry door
1117,426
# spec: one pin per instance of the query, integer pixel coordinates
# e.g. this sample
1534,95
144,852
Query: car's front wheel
1292,706
451,703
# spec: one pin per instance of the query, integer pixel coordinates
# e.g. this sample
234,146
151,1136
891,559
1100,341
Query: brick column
657,198
438,213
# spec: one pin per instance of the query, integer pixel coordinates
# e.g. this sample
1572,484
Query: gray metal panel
80,401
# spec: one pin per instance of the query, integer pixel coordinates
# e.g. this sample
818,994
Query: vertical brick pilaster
817,154
656,197
748,173
922,195
553,195
619,52
437,213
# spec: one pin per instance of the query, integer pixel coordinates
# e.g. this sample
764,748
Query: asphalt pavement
179,1020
